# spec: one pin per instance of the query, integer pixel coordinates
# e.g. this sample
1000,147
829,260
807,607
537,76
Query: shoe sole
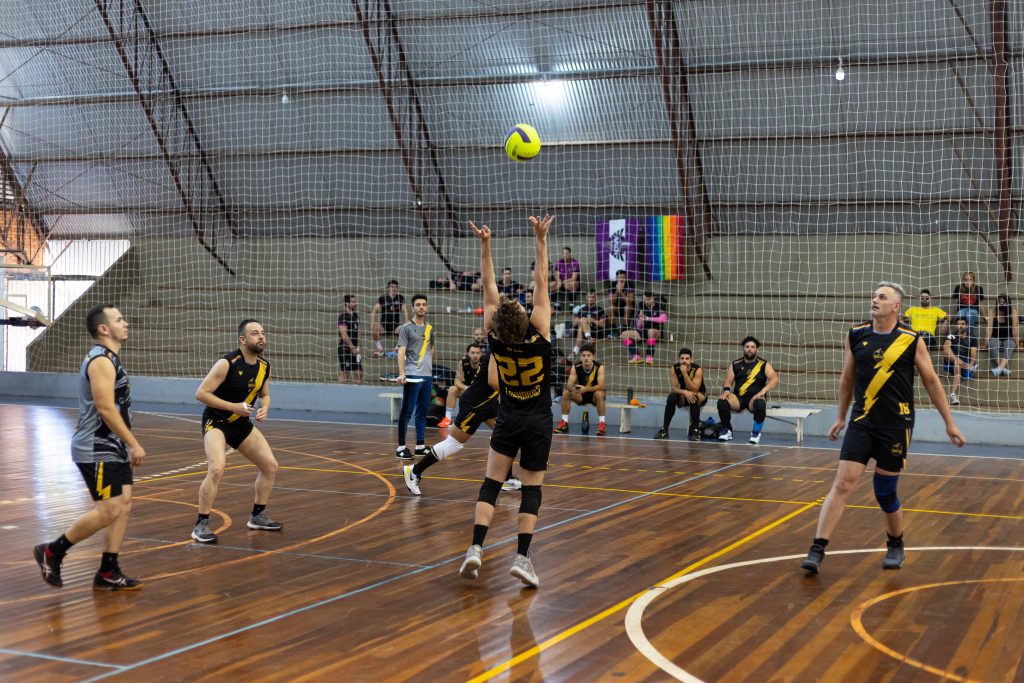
40,557
257,527
469,568
109,588
810,567
530,580
197,539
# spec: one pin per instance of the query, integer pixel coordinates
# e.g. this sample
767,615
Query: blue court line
384,582
66,660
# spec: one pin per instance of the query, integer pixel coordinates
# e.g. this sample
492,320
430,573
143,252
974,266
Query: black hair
685,351
926,291
472,345
587,347
242,325
417,297
750,338
392,282
97,316
348,298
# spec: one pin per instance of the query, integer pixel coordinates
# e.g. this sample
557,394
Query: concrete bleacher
183,308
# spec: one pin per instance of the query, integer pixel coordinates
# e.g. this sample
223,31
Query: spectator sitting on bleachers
552,277
585,385
589,321
621,299
480,339
459,281
507,286
467,371
1002,334
961,353
650,320
925,319
567,270
387,315
969,301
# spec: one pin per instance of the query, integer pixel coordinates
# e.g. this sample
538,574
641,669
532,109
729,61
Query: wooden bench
625,426
798,413
396,402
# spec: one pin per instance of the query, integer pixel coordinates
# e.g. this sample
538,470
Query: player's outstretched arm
541,316
933,385
487,279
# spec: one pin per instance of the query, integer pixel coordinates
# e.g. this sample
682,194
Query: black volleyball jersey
242,385
478,393
469,373
351,322
692,372
524,370
587,379
749,375
883,395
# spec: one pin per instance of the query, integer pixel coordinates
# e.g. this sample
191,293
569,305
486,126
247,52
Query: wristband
727,390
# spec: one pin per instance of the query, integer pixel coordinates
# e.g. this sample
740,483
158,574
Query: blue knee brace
885,492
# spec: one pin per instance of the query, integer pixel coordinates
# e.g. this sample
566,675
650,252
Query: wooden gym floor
658,560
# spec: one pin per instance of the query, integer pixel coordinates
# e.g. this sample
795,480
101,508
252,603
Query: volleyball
522,142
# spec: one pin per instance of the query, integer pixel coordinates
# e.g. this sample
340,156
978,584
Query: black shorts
587,398
389,325
106,480
471,415
234,432
681,402
525,434
887,446
745,402
347,361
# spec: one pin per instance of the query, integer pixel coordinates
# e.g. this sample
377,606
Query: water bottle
629,394
585,428
359,358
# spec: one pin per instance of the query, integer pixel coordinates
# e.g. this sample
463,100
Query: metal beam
1001,145
143,59
674,82
402,100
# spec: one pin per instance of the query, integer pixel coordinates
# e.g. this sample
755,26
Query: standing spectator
650,321
106,453
388,313
350,361
1002,334
585,385
507,286
568,271
621,300
415,374
469,368
969,301
687,391
961,353
925,319
747,383
590,322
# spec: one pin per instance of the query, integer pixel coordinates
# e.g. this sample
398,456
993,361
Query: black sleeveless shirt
524,372
242,384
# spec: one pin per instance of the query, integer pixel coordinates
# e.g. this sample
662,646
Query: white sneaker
412,482
474,558
996,372
512,484
522,569
755,438
954,400
726,435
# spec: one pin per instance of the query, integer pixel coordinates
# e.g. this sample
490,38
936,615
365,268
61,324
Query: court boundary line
64,660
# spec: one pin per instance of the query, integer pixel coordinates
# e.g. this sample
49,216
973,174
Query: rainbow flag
664,253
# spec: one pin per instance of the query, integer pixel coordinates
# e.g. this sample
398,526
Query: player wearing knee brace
879,362
747,383
520,369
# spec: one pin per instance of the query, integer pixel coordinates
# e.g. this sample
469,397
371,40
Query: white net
266,160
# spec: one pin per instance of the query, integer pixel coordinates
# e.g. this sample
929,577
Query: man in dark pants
415,374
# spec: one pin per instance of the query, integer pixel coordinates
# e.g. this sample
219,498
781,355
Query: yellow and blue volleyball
522,142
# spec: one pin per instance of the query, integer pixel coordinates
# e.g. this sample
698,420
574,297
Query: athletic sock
895,539
757,428
821,541
60,547
202,518
524,544
257,509
479,534
426,461
449,413
600,418
565,417
108,562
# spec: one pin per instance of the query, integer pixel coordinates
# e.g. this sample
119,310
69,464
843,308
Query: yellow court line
568,633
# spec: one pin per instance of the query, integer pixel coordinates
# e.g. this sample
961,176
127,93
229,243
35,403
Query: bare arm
730,379
673,382
261,414
541,316
933,385
773,381
490,286
102,380
600,380
460,378
947,351
492,372
571,381
214,378
343,333
847,382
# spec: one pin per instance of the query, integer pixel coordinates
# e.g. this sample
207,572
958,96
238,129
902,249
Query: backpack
710,430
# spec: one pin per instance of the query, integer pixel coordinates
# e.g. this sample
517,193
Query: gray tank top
93,441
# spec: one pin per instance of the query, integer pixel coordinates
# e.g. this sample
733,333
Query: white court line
634,616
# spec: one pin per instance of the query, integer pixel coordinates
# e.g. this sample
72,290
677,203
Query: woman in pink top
650,320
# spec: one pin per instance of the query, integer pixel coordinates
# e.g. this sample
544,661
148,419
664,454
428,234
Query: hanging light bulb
840,72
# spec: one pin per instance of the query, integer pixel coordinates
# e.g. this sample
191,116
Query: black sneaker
49,564
662,434
404,454
894,555
114,581
693,434
421,449
815,556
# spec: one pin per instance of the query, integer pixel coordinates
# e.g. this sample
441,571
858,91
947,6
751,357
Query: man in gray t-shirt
415,373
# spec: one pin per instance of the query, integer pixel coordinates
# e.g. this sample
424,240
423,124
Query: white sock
600,418
447,447
575,350
449,413
565,417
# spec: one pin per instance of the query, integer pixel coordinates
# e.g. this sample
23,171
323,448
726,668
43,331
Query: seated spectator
1003,335
747,383
650,320
969,301
961,358
468,369
480,339
621,299
686,379
461,281
567,270
387,315
526,299
925,319
507,286
585,385
589,321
